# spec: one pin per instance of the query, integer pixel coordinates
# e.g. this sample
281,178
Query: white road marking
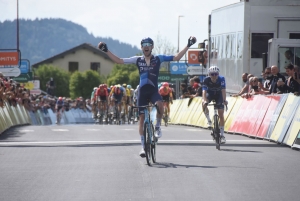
194,130
25,131
93,129
126,141
60,130
129,129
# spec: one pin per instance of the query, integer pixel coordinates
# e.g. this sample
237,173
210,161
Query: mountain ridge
41,39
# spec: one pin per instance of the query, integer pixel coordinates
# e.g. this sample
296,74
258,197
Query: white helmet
213,69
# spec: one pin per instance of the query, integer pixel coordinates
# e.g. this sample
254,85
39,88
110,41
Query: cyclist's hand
171,101
191,41
102,46
205,103
225,102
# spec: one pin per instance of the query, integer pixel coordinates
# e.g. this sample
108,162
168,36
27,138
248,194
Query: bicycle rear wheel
217,132
147,143
153,144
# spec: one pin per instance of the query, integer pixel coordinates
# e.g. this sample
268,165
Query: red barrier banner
257,115
263,129
237,122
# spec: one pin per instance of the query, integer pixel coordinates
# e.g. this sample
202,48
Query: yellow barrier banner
181,110
2,120
194,109
198,112
294,129
234,110
187,111
174,109
174,119
285,118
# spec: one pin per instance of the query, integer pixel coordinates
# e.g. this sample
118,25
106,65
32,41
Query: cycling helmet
95,88
213,69
165,84
147,40
60,98
100,85
105,85
124,85
129,86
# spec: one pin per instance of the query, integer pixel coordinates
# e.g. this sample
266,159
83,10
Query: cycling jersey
165,92
60,103
148,74
215,87
102,92
214,90
128,93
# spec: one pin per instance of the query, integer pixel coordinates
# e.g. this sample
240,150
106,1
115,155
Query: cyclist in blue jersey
214,88
148,66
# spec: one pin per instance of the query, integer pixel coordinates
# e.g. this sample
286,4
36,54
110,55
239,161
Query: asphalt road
94,162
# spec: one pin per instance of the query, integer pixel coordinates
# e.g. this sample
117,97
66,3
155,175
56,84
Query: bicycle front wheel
217,132
147,143
153,144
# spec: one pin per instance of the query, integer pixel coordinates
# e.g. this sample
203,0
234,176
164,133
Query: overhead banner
9,58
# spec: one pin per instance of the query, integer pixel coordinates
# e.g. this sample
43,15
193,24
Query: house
81,58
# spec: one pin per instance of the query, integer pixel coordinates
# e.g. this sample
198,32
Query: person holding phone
276,76
290,85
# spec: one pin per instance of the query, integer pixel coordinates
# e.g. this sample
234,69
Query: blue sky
125,20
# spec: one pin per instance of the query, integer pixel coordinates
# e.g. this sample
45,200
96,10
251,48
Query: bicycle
150,141
117,119
165,114
215,130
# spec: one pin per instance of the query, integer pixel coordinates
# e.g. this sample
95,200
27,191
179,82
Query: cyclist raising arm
214,88
148,66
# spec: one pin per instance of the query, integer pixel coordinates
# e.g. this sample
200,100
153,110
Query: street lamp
178,30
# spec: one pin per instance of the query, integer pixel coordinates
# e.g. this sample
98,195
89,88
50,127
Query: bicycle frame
150,141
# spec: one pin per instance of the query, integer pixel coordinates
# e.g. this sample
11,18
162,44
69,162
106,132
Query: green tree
121,73
61,79
82,84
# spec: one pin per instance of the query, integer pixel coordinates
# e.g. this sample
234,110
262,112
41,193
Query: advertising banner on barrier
276,115
239,118
230,118
294,129
297,141
257,115
285,118
263,129
250,115
174,109
196,103
197,114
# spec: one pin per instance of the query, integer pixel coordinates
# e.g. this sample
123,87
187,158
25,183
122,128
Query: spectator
290,85
50,87
198,90
184,91
267,78
246,86
276,76
255,88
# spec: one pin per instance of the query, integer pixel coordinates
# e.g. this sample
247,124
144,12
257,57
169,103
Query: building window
73,66
95,66
259,44
294,35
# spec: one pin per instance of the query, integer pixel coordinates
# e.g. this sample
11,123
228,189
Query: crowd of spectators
13,93
192,90
272,82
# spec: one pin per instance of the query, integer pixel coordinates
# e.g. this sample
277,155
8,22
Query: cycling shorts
217,96
118,98
147,93
166,98
102,98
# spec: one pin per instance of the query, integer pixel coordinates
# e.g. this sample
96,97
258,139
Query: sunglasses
213,74
146,44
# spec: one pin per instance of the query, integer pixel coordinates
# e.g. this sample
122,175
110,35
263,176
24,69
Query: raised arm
102,46
191,41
